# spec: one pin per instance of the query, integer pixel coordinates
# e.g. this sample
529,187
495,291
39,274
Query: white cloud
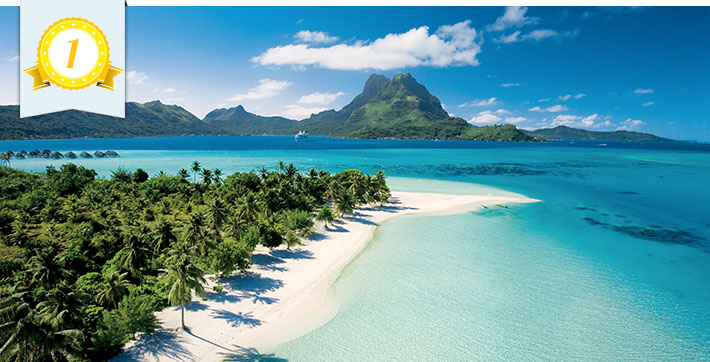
544,100
513,17
451,45
647,104
308,36
296,111
14,58
537,35
320,98
480,103
630,124
134,77
570,120
267,88
510,38
506,85
514,120
169,90
555,108
566,97
502,111
485,117
643,91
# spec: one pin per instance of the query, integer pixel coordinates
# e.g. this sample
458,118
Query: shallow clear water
613,264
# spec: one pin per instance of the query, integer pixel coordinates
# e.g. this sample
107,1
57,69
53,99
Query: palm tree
217,176
5,157
163,234
46,268
325,215
217,214
195,170
195,233
281,166
183,173
292,240
263,172
114,288
133,255
344,203
184,276
248,208
206,176
291,170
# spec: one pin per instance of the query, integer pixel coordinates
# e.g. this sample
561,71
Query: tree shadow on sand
268,262
162,344
237,319
252,283
292,254
252,354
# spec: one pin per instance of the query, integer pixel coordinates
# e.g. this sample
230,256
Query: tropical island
399,108
86,263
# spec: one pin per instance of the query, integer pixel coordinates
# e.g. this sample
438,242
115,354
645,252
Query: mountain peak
240,108
374,83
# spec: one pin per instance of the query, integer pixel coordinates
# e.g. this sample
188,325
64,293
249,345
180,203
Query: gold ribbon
41,79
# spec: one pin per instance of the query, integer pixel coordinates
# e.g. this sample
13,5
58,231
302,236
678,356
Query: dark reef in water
656,233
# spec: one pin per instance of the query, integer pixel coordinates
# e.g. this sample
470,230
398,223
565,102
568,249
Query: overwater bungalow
10,153
110,153
23,153
85,154
57,155
20,156
99,154
35,153
70,154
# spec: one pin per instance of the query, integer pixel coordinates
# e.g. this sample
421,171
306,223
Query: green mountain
152,119
386,108
569,133
238,121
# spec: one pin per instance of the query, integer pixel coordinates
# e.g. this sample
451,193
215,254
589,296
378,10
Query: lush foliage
569,133
87,261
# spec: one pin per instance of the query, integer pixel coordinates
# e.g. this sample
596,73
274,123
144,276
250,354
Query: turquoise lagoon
613,264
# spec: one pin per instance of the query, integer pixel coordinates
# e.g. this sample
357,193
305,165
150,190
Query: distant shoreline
288,293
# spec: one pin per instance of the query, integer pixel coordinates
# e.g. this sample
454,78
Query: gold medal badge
73,53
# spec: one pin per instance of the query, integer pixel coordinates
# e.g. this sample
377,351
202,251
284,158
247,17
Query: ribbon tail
37,77
107,82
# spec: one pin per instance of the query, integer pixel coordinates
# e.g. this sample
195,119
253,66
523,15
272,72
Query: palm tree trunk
183,315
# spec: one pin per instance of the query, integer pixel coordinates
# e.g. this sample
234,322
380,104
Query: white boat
301,135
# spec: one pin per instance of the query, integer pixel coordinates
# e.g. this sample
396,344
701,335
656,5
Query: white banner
72,56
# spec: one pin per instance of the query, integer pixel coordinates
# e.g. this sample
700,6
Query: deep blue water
613,264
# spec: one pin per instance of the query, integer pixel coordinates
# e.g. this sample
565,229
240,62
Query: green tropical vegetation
85,262
569,133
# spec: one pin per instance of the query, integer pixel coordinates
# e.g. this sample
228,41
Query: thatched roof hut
110,153
85,154
23,152
46,152
10,153
20,156
57,155
35,153
99,154
70,154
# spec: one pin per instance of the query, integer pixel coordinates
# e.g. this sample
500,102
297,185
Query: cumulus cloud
643,91
450,45
513,17
134,77
296,111
320,98
570,120
502,111
630,124
544,100
506,85
647,104
308,36
513,37
555,108
267,88
485,117
480,103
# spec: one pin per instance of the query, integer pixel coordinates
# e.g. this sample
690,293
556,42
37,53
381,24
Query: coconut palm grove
87,261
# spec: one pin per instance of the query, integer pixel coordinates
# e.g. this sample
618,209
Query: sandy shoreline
286,293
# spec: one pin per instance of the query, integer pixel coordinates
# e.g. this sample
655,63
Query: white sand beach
286,293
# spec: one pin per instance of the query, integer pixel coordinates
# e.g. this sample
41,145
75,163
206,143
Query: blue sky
643,69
